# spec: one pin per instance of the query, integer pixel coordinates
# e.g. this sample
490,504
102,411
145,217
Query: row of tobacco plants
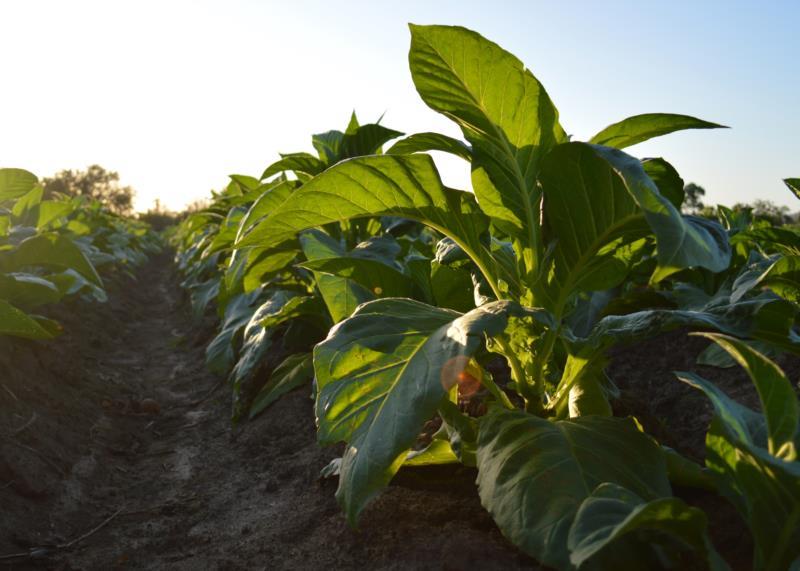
357,272
53,250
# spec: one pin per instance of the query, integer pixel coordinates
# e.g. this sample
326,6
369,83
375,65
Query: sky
176,95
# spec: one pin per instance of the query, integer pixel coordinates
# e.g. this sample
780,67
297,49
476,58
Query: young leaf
503,111
640,128
424,142
381,374
303,163
534,474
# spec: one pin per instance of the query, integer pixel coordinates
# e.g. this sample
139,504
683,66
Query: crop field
341,362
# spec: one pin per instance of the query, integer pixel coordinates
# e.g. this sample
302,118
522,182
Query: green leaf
640,128
503,111
764,488
221,351
424,142
666,178
377,277
14,183
19,324
341,295
53,251
534,474
28,202
766,318
27,290
778,398
405,185
270,199
381,374
612,515
598,199
794,185
295,371
303,163
51,210
366,140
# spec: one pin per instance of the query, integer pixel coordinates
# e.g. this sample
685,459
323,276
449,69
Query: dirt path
182,489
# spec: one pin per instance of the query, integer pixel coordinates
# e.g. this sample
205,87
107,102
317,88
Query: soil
118,424
116,452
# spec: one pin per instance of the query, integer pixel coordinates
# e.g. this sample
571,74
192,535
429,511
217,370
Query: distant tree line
95,183
759,208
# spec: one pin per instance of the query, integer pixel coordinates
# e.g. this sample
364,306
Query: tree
694,198
767,210
96,183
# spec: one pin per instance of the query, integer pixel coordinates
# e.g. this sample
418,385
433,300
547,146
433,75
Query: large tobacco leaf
407,186
597,200
503,111
534,474
381,374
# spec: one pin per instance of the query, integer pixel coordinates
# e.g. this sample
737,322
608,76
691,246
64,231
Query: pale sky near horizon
175,95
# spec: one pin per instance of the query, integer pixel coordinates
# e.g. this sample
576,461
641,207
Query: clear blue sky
176,95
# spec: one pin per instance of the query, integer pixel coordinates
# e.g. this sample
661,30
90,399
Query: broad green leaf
19,324
295,371
597,199
377,277
257,343
381,374
780,274
14,183
534,474
778,398
766,317
405,185
27,290
303,163
221,351
640,128
366,140
246,182
503,111
269,200
614,522
341,295
51,210
424,142
28,202
436,453
52,250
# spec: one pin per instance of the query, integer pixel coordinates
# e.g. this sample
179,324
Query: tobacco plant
51,249
549,222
